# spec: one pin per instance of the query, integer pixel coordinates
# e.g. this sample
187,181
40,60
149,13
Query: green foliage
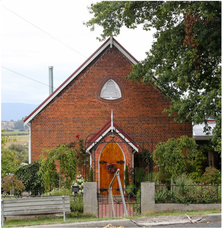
22,152
185,55
58,192
8,162
186,191
163,177
211,176
11,182
151,177
174,156
5,139
139,176
76,203
66,161
189,192
91,175
126,173
161,192
130,188
28,174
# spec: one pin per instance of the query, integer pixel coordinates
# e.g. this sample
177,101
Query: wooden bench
35,206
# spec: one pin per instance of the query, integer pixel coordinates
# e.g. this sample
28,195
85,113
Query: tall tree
184,61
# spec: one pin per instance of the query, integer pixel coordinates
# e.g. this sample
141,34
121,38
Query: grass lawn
15,132
78,217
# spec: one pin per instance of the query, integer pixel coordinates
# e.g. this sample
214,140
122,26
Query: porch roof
109,127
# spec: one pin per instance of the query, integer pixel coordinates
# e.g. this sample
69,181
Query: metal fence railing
187,194
132,198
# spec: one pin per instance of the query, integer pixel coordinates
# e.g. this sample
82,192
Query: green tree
185,56
8,162
5,139
176,155
62,158
28,174
22,152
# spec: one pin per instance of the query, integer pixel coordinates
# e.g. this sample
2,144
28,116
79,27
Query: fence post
64,213
147,197
90,198
2,212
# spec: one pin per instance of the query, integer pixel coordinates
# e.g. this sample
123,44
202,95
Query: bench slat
38,212
37,199
36,207
32,203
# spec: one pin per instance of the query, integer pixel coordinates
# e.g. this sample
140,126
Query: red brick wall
78,109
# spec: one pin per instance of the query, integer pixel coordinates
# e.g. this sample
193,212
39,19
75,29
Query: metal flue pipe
50,80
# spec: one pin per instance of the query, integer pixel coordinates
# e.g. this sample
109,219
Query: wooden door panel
111,154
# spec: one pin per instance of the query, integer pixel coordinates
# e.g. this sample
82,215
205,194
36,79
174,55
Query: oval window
110,90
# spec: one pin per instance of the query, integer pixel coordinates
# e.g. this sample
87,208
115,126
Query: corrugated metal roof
198,131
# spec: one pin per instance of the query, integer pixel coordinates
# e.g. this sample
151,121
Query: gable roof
112,42
109,127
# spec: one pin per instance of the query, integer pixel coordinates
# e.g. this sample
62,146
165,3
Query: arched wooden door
111,154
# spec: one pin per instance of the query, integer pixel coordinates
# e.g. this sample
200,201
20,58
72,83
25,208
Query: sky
43,33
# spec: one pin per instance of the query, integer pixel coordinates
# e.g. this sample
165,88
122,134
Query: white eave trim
105,133
111,41
124,52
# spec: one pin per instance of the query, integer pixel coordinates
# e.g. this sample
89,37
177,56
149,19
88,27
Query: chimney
50,80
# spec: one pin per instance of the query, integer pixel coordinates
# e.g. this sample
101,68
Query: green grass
78,217
173,213
15,132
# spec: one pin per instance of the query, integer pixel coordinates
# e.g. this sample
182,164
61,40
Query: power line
25,76
44,31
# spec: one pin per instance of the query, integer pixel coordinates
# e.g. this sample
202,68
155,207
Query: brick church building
118,119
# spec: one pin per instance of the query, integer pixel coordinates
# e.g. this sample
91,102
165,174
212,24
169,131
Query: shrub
28,174
22,152
211,176
183,192
139,176
163,177
161,192
76,203
11,182
151,176
91,175
126,176
186,191
79,182
58,192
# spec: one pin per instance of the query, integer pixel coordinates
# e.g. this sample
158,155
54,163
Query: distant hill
16,111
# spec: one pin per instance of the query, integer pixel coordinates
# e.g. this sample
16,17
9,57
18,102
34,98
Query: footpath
150,221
